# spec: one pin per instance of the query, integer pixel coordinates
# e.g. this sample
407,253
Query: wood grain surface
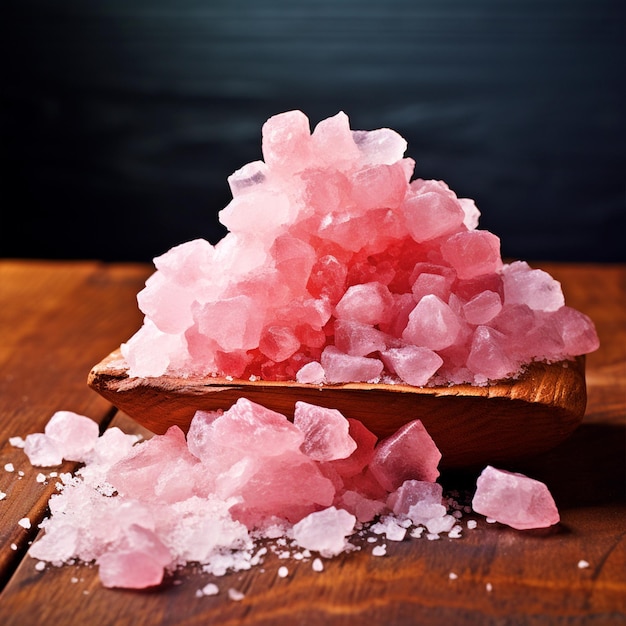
58,319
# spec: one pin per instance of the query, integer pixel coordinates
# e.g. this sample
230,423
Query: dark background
121,119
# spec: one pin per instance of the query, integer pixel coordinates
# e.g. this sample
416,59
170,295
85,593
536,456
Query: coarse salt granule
24,523
379,550
2,495
582,564
489,587
283,572
472,523
453,576
16,442
317,565
40,566
235,594
9,467
40,478
210,589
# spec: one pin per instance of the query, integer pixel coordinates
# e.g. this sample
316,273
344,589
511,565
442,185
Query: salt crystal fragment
409,454
311,373
432,324
473,253
415,365
24,523
325,531
344,368
317,565
514,499
74,434
326,436
533,287
42,451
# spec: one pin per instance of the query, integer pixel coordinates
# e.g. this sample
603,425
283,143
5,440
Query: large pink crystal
514,499
335,257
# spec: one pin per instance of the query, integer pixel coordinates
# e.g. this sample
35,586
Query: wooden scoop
471,425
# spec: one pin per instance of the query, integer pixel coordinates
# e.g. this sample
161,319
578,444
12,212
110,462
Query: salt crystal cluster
140,509
338,267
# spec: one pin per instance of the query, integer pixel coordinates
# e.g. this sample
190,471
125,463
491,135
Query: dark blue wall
121,119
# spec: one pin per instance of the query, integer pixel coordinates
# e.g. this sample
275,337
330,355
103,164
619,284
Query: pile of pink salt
338,267
240,477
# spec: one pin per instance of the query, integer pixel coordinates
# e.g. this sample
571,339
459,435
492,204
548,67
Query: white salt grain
235,594
379,550
490,520
40,566
73,579
582,564
210,589
9,467
283,572
489,587
40,478
17,442
2,495
472,523
24,523
13,546
317,565
452,576
432,536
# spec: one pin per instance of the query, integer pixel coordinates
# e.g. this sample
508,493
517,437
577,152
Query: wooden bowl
471,425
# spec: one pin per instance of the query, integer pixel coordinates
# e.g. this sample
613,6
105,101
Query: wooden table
57,319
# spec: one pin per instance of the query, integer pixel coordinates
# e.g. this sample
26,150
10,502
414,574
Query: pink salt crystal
408,454
383,145
432,324
246,178
287,141
325,531
514,499
488,358
278,343
231,323
431,213
311,373
343,368
367,304
328,278
413,364
333,141
325,431
473,253
289,487
365,441
130,569
379,186
472,214
358,339
482,308
364,509
158,469
42,451
577,330
426,284
410,492
246,428
74,434
533,287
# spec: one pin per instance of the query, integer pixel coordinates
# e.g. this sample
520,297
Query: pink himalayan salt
326,435
413,364
329,228
67,435
514,499
409,454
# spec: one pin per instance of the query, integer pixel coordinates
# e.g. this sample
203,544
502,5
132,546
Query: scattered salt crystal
491,520
16,442
325,531
432,536
514,499
3,495
13,546
40,566
489,587
582,564
210,589
452,576
317,565
472,523
379,550
40,478
235,595
73,579
283,572
24,522
9,467
417,532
